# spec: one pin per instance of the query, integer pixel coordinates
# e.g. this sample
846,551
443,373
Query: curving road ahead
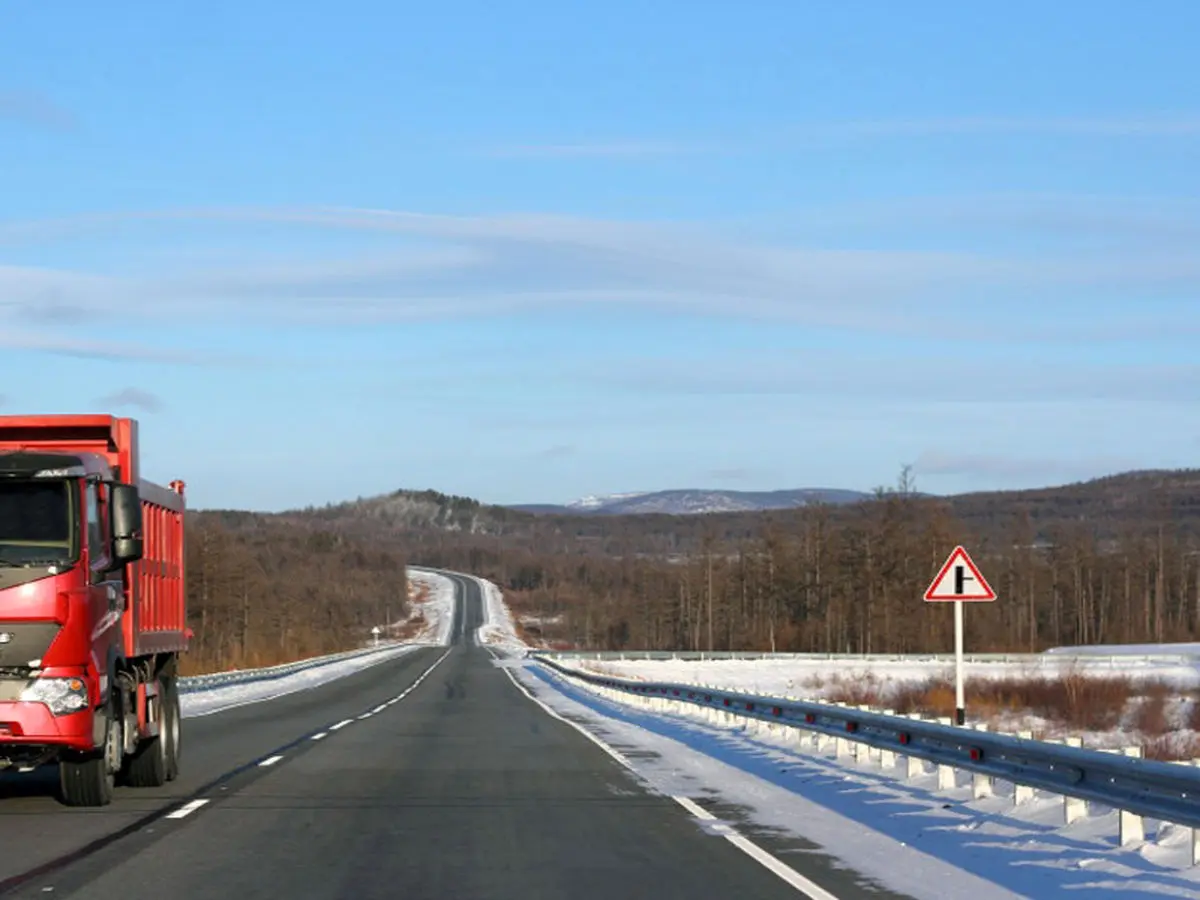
460,788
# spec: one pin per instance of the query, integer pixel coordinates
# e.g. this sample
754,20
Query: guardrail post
915,766
1130,828
1022,793
981,785
945,774
887,758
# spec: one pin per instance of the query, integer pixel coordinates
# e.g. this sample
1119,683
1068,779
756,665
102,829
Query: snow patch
215,700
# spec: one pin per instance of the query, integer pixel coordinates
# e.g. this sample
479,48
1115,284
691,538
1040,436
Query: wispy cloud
1013,467
843,377
446,267
730,474
558,451
1176,125
802,135
38,110
603,150
111,351
131,397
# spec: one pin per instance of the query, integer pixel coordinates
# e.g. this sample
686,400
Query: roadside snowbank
906,835
498,630
437,610
215,700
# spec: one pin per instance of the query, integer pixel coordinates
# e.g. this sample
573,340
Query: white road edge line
187,809
319,735
270,761
342,724
781,869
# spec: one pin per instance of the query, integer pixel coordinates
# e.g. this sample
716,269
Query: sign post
375,634
951,585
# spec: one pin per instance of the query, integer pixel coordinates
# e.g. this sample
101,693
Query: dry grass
1075,701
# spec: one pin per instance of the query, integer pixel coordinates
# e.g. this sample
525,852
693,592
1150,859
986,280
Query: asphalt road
463,789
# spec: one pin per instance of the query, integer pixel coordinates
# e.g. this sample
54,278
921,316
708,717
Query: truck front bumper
29,725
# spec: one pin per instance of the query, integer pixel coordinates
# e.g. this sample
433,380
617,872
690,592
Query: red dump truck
93,616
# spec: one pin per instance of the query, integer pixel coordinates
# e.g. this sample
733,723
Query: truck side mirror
125,508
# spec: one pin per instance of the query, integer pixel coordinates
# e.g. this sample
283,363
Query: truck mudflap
26,724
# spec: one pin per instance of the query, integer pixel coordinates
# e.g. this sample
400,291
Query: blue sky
530,251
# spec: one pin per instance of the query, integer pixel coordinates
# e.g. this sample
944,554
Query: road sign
960,579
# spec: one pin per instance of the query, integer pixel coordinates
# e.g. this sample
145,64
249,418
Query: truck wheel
173,727
147,767
88,779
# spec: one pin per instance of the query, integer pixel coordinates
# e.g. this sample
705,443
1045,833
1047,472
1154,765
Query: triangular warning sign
960,579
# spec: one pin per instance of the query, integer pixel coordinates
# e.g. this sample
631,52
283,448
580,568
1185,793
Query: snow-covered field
1158,710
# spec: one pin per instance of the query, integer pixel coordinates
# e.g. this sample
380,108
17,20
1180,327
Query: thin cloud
38,110
131,397
1184,125
1179,125
59,345
464,266
601,150
827,376
558,451
730,474
1012,467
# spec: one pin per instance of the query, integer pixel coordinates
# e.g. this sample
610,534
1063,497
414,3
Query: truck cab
87,672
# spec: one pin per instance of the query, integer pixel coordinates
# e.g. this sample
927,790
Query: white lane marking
342,724
270,761
781,869
187,809
365,716
319,735
379,708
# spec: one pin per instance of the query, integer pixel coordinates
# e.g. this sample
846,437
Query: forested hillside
1113,560
263,589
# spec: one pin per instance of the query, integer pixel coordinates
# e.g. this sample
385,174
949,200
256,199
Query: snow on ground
497,630
814,678
906,835
841,679
437,611
1182,649
214,700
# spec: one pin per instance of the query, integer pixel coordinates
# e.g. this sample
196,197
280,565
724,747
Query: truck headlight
62,695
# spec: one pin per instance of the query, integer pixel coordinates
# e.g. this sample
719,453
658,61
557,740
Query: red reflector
749,706
903,738
852,726
976,754
726,701
777,711
809,717
676,693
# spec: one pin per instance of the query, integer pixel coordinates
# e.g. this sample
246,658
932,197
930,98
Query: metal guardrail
1041,660
1149,788
197,683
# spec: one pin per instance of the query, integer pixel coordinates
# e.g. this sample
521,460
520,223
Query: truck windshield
35,522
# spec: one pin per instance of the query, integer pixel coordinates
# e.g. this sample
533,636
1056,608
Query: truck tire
147,767
173,726
88,779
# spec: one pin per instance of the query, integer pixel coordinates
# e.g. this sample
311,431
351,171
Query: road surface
462,788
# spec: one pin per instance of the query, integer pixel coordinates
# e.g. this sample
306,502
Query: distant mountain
694,501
